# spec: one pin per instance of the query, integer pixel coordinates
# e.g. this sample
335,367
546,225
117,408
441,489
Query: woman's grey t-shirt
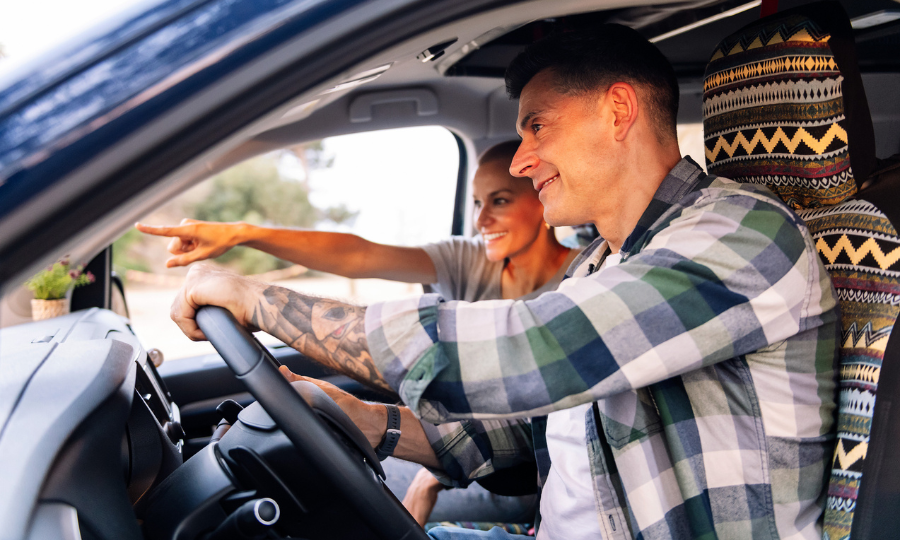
465,273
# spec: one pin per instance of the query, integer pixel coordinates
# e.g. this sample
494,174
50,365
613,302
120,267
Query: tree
255,192
312,155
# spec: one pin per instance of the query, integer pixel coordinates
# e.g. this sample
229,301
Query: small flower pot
47,309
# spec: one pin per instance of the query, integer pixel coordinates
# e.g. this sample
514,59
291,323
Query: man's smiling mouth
546,183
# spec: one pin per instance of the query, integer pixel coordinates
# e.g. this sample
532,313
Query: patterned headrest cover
779,112
774,112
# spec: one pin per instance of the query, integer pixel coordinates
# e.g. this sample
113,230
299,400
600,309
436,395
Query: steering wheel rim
251,363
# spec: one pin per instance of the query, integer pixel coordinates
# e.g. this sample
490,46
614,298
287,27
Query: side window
394,187
690,141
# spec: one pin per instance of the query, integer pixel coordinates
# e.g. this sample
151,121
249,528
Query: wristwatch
386,447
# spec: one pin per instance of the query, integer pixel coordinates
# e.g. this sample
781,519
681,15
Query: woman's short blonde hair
505,150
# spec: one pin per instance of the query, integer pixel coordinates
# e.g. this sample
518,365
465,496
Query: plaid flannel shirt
709,351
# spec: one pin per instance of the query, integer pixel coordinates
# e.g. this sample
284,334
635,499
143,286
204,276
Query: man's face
567,150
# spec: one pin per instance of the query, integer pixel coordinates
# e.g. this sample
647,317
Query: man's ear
623,103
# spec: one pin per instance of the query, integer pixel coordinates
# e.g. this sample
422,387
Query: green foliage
125,254
339,214
54,282
254,192
249,261
313,155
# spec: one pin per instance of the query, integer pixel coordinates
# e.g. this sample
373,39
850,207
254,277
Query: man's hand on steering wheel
328,331
371,418
207,285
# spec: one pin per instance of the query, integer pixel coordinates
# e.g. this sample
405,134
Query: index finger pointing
159,230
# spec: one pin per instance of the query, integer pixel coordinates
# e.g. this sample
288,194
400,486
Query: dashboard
87,428
91,448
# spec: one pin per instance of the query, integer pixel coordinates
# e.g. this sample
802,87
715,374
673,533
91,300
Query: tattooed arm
328,331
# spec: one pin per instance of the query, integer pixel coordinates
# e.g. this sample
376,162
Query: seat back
784,106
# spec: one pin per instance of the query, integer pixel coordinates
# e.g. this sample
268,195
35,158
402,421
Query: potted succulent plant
51,285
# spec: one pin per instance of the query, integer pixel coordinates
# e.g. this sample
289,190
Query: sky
401,181
31,27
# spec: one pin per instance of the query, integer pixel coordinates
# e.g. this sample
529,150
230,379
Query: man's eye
536,127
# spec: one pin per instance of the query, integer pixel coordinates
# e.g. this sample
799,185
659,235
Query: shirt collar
681,180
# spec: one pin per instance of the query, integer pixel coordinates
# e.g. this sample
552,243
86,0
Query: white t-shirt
568,511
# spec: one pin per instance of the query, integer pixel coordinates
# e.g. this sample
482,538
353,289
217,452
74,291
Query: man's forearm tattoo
330,332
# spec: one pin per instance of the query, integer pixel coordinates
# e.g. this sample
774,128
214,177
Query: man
686,370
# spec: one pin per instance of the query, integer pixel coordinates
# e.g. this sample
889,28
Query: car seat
784,106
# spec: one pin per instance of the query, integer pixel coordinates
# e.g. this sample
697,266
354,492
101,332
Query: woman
517,256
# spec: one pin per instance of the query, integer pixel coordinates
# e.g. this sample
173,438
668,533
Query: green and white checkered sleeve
726,273
472,449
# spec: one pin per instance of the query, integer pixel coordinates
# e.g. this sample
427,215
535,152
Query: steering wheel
251,363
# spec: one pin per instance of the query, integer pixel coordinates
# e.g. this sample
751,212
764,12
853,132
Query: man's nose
524,161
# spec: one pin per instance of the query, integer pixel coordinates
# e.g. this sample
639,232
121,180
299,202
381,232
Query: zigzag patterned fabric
774,114
861,250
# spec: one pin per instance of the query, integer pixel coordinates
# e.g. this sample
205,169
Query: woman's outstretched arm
336,253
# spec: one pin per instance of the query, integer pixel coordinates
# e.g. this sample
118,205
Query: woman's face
508,213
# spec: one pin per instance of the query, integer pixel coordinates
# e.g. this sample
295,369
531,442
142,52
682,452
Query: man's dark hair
591,60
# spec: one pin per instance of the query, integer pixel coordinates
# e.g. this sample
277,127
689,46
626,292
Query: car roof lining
469,87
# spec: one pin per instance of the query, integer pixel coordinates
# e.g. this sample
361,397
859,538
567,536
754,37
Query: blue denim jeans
471,504
455,533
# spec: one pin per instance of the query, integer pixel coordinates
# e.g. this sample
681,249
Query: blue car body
81,132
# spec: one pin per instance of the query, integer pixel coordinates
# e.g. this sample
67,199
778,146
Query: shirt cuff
444,438
402,337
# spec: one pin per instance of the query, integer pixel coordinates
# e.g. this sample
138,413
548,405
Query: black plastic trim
462,180
99,293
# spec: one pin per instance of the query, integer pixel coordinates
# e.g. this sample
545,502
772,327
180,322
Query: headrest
783,105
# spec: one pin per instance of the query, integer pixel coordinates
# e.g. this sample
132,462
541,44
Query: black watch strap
391,435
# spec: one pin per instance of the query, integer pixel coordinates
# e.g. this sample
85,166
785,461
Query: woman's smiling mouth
490,237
